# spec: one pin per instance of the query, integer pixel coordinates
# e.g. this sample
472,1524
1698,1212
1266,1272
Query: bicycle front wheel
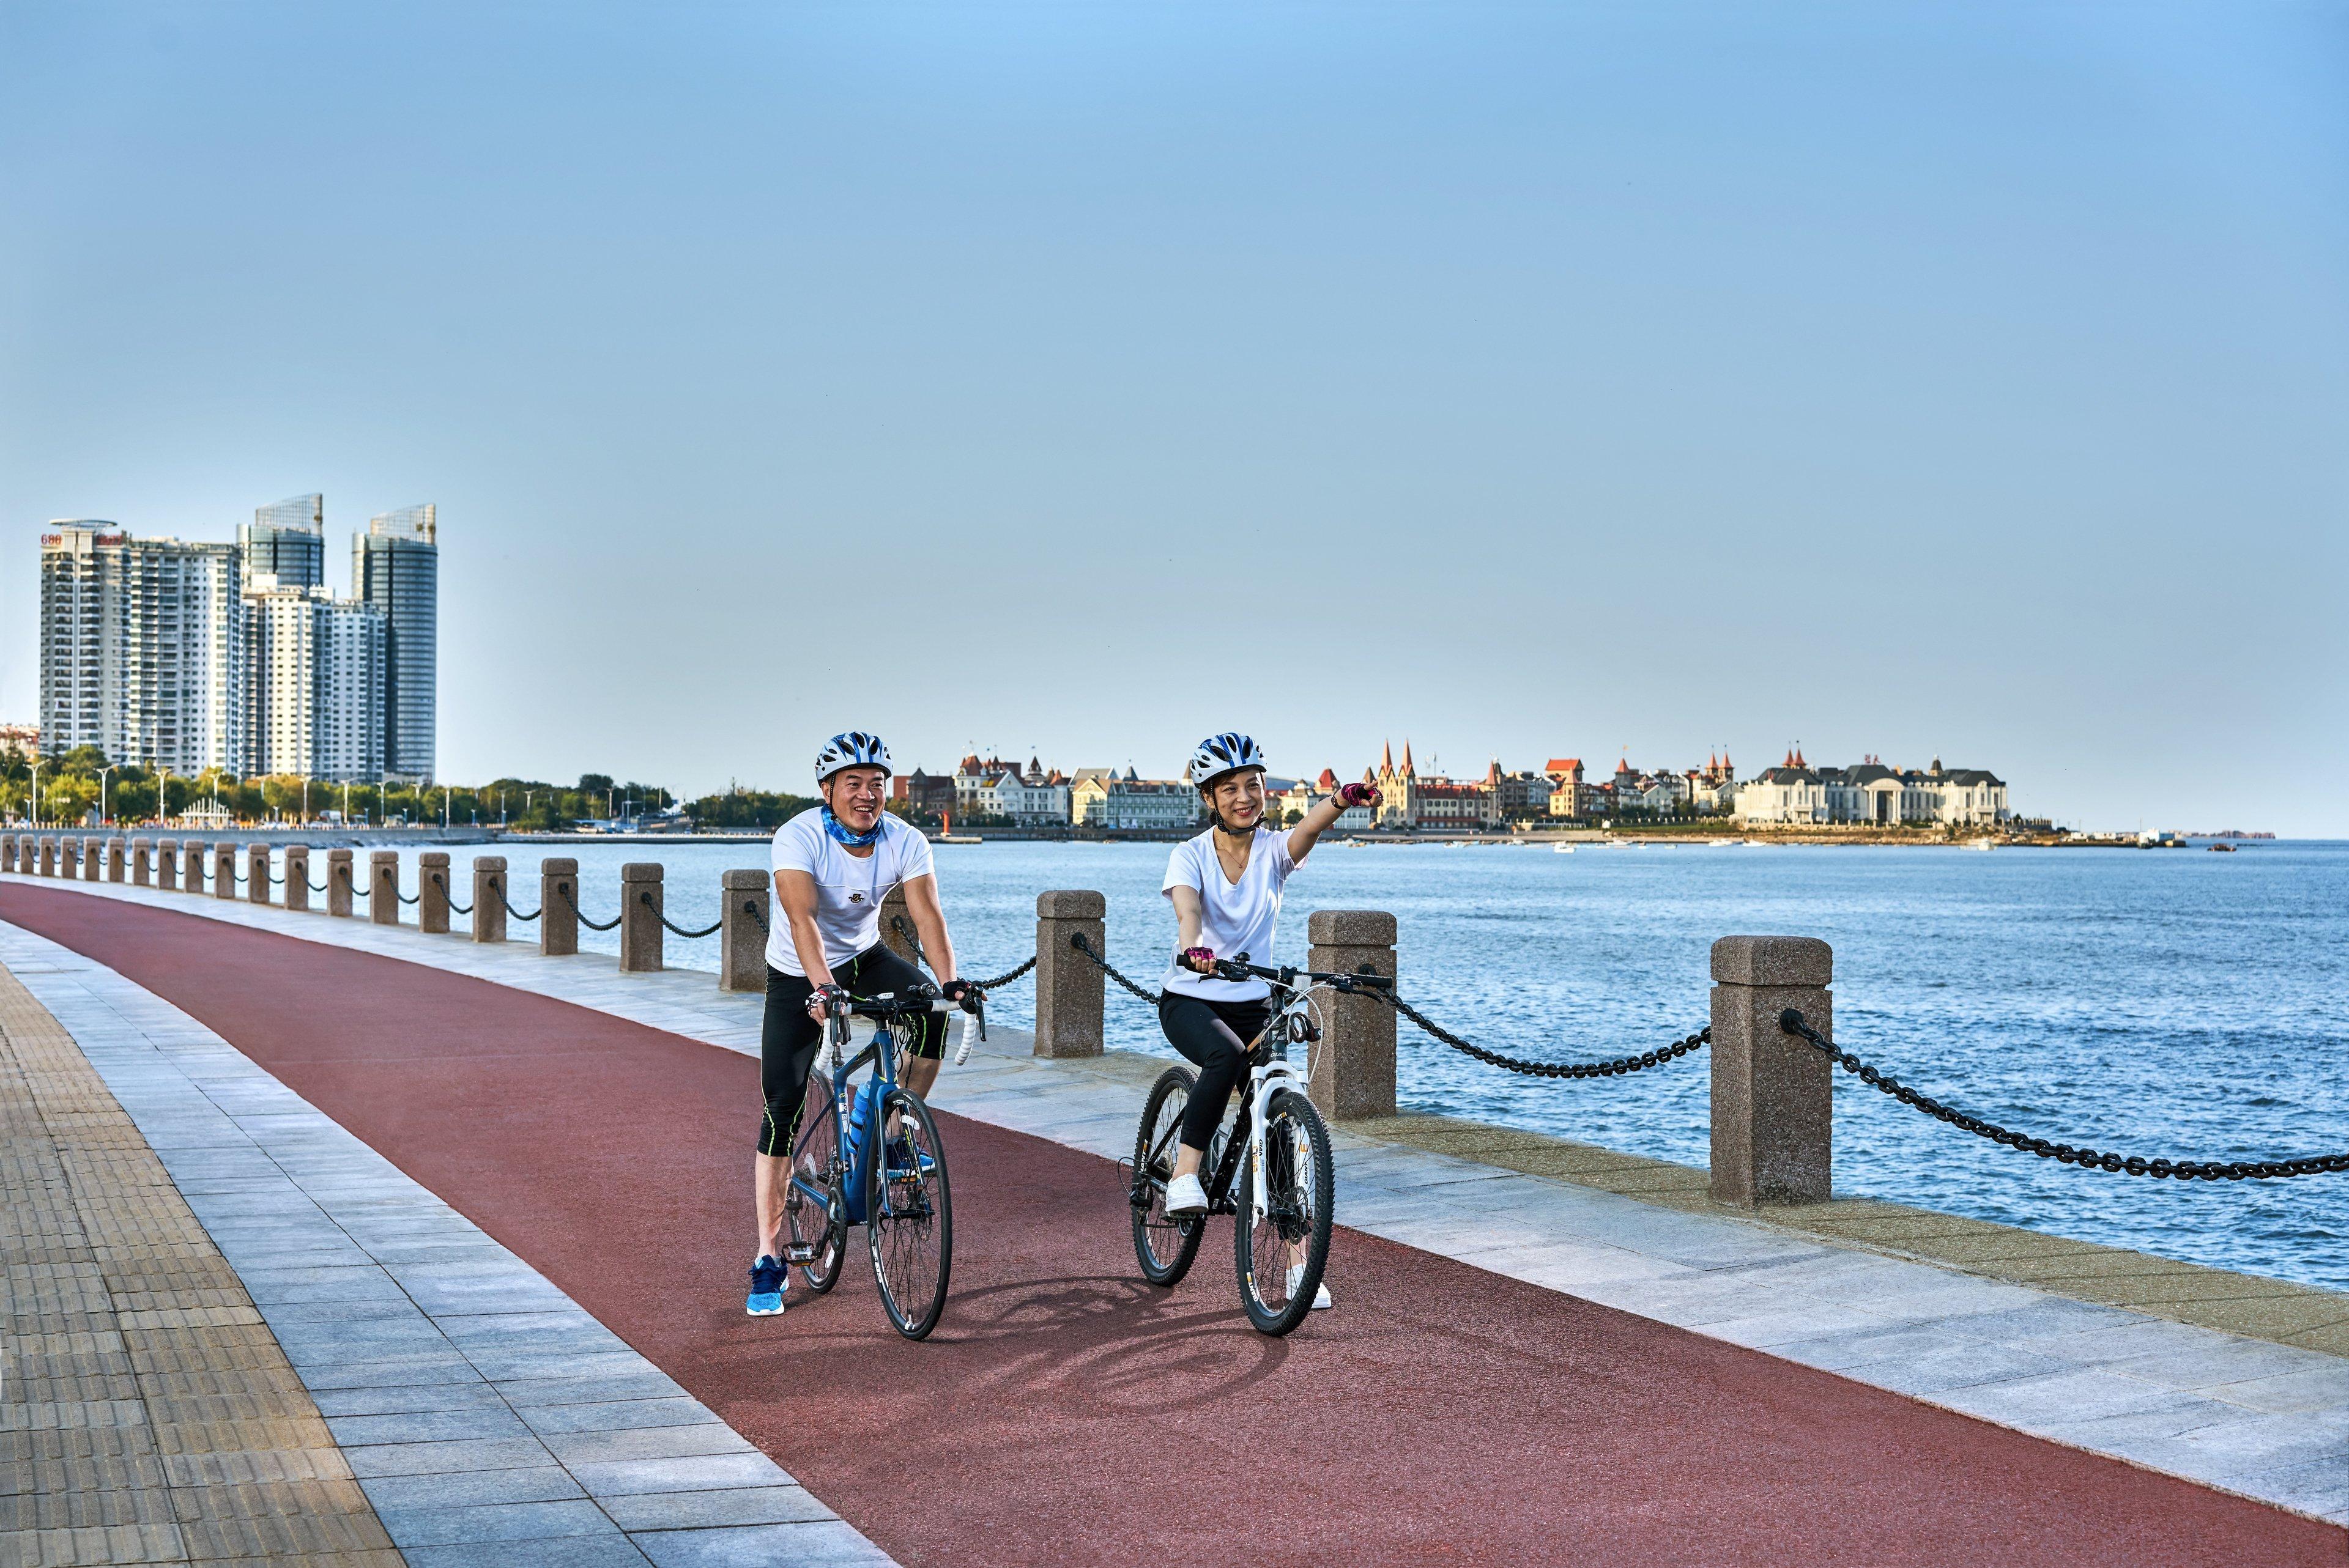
819,1226
1164,1247
909,1217
1280,1253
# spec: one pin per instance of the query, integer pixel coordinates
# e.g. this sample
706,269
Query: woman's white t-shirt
1237,916
848,889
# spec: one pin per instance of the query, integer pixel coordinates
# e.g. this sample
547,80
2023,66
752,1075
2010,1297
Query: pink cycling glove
1201,959
1351,795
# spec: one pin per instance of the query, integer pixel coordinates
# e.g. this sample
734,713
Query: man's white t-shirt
1237,916
848,889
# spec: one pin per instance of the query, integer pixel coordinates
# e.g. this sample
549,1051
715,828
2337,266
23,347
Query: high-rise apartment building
314,669
396,566
141,641
287,541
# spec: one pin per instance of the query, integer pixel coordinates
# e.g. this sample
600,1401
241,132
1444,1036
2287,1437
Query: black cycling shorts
789,1039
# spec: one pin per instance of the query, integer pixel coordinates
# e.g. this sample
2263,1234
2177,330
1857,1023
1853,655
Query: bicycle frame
1265,1078
847,1183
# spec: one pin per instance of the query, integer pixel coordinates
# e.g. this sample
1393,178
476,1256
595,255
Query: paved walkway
2147,1383
260,1339
1064,1402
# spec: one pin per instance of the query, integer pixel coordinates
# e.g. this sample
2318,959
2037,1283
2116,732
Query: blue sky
1968,380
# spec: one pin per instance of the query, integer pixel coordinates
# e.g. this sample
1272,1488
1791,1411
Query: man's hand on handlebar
826,1001
1197,960
964,994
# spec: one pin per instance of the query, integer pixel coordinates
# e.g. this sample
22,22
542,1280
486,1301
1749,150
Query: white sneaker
1322,1301
1185,1199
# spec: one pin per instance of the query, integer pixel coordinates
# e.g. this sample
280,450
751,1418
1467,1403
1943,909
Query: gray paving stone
444,1458
414,1527
542,1483
614,1550
615,1415
397,1372
644,1382
828,1545
709,1472
427,1426
574,1450
699,1510
475,1395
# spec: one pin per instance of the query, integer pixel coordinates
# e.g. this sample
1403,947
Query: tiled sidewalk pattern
2264,1419
429,1379
148,1415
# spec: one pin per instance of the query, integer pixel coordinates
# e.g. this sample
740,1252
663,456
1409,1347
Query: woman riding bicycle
1225,886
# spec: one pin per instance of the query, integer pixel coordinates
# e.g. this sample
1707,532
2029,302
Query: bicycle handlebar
1241,969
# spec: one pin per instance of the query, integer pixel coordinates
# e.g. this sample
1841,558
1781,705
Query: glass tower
395,567
286,541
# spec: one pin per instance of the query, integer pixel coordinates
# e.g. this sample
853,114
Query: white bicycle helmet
1226,753
852,748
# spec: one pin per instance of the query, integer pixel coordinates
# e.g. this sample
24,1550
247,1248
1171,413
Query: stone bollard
1773,1092
742,934
640,916
297,877
142,861
28,856
48,857
1354,1064
7,852
1068,995
256,874
383,886
167,864
339,891
489,898
433,892
116,853
223,870
558,907
68,859
192,866
893,914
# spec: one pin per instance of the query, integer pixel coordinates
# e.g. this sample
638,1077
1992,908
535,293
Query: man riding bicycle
833,865
1225,886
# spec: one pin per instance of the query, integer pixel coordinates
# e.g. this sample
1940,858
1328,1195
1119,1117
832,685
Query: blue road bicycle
888,1173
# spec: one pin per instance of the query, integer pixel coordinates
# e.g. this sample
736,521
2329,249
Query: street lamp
36,792
102,775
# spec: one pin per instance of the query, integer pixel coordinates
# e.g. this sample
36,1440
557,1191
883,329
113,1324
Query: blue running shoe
767,1280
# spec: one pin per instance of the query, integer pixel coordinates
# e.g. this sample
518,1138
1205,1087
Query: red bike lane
1065,1411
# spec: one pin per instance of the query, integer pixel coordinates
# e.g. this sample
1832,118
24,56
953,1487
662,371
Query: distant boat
2222,849
1982,844
1561,848
958,839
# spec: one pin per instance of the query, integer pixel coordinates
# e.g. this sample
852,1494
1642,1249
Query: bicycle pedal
800,1252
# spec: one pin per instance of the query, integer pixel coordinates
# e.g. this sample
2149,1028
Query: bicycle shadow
1117,1344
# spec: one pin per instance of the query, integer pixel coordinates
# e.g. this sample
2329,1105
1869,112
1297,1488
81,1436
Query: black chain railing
500,889
898,924
565,888
710,930
1617,1067
316,887
758,910
1793,1022
444,886
1079,941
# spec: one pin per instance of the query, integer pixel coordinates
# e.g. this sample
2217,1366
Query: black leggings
789,1038
1214,1036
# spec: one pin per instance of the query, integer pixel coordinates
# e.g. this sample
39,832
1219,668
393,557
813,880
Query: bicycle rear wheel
1164,1247
1280,1254
909,1217
820,1230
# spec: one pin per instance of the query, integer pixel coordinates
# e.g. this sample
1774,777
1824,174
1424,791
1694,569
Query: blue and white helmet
852,748
1226,753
